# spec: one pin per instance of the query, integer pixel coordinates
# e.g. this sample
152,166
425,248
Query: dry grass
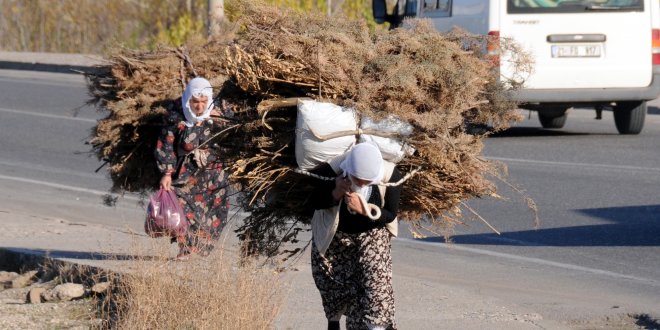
202,293
151,291
438,83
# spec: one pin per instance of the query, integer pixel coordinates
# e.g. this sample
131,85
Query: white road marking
533,260
569,164
43,78
66,187
46,115
38,167
413,241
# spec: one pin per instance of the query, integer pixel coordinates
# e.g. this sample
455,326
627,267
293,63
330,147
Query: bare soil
17,313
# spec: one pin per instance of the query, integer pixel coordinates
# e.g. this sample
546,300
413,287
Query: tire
555,121
629,117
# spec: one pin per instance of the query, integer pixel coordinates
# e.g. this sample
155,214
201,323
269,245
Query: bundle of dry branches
435,82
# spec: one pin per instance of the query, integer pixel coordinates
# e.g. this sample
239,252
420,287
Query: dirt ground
17,313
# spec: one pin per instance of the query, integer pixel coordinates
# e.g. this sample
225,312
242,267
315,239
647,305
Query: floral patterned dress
201,185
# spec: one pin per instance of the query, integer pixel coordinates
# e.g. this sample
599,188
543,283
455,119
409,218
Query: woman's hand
342,186
166,182
215,113
352,200
201,157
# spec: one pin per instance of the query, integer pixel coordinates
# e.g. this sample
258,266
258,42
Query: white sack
323,118
392,149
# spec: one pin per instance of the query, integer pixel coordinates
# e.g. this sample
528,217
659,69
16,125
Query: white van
595,53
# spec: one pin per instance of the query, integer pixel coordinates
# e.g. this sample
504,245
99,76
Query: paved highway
597,193
45,166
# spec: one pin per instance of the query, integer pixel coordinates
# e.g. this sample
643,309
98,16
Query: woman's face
359,182
198,104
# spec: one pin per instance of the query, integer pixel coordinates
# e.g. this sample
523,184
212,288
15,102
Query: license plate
576,50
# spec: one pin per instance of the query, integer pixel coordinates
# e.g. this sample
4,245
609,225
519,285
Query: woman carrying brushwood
353,224
194,173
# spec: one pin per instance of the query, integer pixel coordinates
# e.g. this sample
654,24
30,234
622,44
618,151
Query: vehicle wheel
629,117
554,121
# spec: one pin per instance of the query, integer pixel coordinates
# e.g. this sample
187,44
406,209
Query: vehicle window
572,6
436,7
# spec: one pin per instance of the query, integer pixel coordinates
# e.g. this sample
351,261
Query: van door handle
576,38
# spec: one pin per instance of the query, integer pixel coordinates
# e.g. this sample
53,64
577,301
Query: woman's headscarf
197,87
364,162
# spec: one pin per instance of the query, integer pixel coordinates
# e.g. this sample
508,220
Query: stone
64,292
34,296
6,278
23,280
101,287
50,284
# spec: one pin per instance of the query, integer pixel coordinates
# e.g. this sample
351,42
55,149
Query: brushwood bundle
437,83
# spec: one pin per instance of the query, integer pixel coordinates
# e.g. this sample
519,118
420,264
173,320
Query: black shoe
333,325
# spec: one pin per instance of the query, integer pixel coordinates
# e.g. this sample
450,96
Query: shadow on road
647,322
83,255
523,131
629,226
534,131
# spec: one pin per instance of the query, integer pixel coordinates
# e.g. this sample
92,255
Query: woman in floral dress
196,175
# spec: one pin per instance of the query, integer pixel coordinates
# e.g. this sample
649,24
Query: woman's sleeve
164,153
322,195
392,198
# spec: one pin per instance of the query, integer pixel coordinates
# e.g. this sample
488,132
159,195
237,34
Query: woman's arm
165,155
323,195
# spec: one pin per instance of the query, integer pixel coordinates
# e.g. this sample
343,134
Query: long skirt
354,277
205,203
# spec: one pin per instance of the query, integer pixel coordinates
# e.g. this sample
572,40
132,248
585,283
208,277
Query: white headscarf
364,162
197,87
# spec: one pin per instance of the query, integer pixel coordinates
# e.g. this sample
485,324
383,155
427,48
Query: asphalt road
44,126
597,194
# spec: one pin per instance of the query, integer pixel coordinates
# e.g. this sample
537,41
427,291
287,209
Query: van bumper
587,95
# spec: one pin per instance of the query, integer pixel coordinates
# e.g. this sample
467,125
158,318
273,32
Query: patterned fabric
199,182
354,277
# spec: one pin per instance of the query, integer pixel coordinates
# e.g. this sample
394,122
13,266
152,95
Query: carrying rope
373,211
384,184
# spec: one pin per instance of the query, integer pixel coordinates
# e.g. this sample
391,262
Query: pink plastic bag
165,216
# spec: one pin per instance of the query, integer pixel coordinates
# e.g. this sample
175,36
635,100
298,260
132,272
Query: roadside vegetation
94,26
144,289
216,292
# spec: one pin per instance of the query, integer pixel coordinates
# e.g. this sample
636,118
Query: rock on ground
16,313
64,292
24,279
